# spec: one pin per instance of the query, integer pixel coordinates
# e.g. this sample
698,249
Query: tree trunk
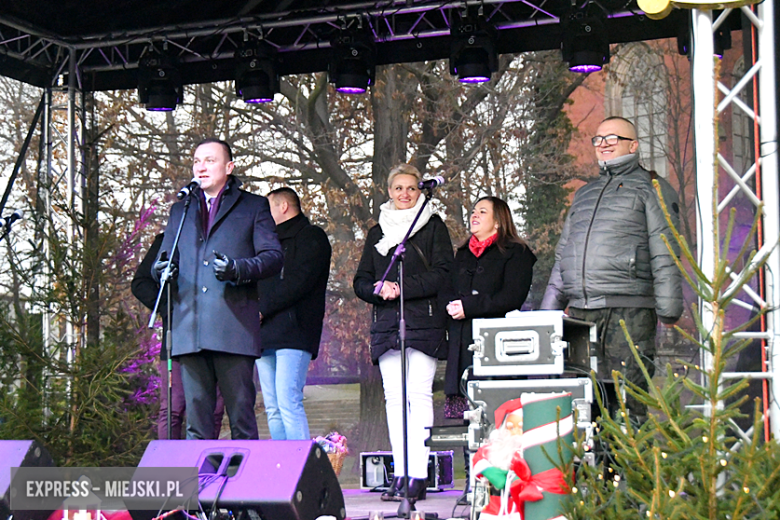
391,128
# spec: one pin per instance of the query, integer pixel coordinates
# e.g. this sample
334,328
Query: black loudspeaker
268,480
20,454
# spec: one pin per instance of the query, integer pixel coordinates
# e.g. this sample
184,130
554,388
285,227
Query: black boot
418,489
394,492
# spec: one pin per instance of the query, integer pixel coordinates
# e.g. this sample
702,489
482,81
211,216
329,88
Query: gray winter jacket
610,253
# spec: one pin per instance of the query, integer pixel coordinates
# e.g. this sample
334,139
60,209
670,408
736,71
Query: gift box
540,452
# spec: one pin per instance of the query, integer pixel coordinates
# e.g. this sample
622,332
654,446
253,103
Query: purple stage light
160,109
351,90
474,79
259,100
585,68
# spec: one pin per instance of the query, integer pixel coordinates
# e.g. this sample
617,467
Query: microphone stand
405,508
165,285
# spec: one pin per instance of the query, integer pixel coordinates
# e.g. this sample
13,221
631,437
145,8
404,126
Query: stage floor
360,502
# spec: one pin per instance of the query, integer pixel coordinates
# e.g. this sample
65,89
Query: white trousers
419,392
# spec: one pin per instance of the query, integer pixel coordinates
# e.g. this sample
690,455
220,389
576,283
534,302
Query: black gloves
225,268
161,264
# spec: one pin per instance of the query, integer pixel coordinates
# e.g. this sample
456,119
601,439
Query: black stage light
159,81
683,39
473,56
584,45
257,79
721,42
353,59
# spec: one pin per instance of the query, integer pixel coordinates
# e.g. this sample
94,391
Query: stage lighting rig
257,79
159,80
473,56
353,59
585,44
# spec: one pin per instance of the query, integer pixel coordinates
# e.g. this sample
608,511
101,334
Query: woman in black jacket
492,276
427,264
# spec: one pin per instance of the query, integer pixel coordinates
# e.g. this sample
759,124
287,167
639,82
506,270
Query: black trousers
201,373
613,352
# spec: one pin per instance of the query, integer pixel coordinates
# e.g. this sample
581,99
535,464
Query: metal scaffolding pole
63,128
709,163
767,87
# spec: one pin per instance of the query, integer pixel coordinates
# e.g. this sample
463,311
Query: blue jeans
282,375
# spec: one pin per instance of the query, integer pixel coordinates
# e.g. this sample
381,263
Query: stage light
473,56
159,81
584,45
683,39
353,60
721,42
257,79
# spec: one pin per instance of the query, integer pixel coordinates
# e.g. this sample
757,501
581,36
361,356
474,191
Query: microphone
194,183
431,183
6,222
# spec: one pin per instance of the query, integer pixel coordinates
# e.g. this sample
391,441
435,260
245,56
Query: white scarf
395,223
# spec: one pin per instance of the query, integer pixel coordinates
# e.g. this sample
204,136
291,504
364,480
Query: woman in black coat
492,276
427,264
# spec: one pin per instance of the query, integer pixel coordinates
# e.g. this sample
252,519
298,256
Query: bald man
611,263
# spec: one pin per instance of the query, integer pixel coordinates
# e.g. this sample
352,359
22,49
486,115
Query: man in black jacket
227,245
292,306
611,263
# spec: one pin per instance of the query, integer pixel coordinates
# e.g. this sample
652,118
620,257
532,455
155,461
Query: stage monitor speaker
20,454
268,480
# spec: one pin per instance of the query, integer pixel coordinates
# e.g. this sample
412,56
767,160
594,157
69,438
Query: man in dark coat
146,288
611,263
292,306
227,245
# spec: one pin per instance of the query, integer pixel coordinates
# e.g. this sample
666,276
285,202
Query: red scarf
478,247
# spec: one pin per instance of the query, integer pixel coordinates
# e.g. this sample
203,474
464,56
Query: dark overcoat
209,314
424,310
145,287
489,286
293,301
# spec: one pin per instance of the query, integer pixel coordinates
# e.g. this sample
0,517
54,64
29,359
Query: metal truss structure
68,63
758,184
61,189
403,31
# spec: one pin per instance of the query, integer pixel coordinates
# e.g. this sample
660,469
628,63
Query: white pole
704,138
767,98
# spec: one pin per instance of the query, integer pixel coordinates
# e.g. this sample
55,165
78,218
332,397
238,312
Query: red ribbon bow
528,487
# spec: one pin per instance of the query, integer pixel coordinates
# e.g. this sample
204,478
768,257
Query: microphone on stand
429,184
194,183
5,223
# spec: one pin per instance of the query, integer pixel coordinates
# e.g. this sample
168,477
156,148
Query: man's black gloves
225,268
161,264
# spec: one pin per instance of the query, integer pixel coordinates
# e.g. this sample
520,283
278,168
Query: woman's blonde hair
403,169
